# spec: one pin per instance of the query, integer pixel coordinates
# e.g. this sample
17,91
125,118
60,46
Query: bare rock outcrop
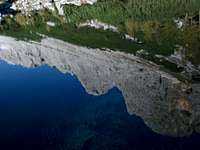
27,6
167,105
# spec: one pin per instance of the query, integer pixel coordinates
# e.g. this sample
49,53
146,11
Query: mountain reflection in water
45,108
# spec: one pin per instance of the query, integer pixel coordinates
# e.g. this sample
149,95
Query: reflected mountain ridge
167,105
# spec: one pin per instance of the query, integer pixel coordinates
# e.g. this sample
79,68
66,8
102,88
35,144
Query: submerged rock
167,105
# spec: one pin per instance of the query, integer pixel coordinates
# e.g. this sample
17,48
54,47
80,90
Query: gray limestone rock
167,105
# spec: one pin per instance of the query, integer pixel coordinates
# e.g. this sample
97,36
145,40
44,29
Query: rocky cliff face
166,105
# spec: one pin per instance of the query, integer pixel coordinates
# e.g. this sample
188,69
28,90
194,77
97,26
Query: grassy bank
118,12
91,38
149,20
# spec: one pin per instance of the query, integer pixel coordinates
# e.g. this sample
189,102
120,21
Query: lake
45,107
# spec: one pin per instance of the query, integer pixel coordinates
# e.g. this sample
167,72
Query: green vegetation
67,32
118,12
149,20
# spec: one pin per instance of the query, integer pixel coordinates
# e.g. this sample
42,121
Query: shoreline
143,86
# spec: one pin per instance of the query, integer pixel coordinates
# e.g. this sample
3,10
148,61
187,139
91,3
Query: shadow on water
5,8
44,109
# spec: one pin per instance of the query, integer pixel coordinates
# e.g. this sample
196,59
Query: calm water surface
43,109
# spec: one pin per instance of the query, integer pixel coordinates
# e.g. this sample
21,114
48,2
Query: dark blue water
43,109
5,8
